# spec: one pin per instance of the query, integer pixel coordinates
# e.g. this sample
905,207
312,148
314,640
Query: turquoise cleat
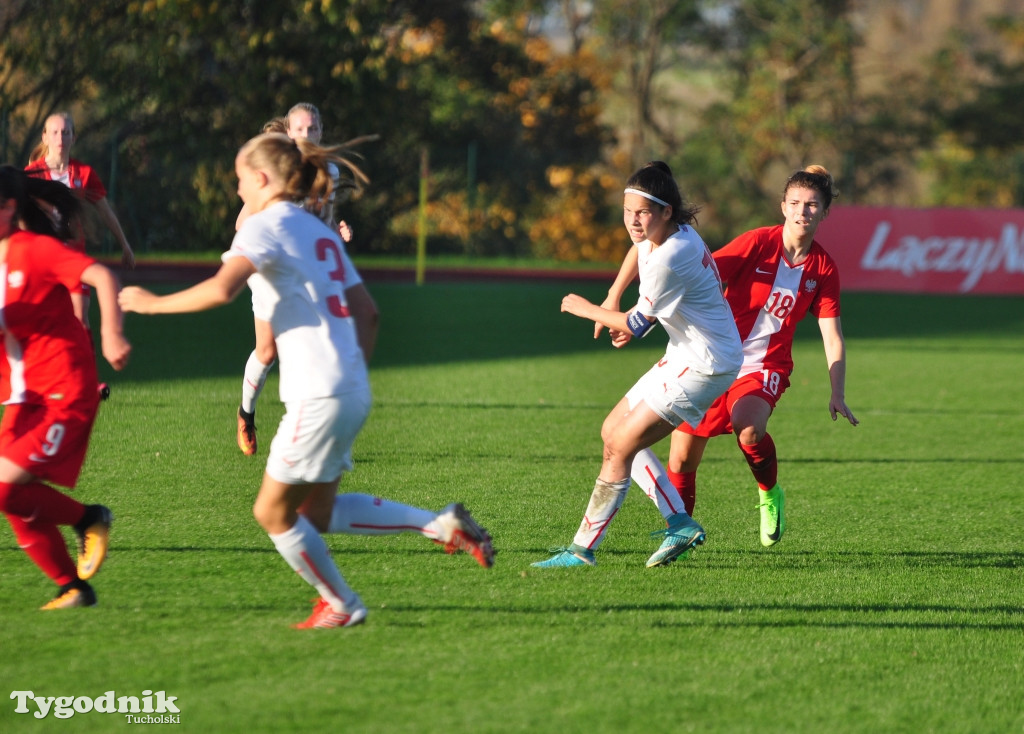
682,534
574,555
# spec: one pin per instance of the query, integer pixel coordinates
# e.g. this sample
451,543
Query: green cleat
773,515
682,534
574,555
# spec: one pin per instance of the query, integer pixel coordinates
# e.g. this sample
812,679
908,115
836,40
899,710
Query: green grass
894,604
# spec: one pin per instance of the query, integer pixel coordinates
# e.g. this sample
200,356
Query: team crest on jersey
810,285
15,279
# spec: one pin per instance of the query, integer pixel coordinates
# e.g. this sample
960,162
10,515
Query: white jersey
305,271
679,285
263,295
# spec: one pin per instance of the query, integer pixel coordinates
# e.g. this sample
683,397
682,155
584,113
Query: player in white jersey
774,276
324,322
679,288
302,122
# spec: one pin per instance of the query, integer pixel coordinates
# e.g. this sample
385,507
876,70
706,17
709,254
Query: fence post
421,230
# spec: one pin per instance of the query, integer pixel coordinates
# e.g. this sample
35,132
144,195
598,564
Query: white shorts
677,393
314,439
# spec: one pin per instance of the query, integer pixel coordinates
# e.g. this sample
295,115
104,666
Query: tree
975,96
178,86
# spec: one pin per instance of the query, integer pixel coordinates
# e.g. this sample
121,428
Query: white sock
362,514
605,501
305,551
252,381
650,475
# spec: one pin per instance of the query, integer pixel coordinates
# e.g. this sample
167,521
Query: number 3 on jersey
325,247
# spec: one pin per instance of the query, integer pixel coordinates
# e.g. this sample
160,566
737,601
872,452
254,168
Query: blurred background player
680,289
48,381
302,122
773,276
324,322
51,158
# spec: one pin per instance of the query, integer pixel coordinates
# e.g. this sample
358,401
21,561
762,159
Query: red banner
957,251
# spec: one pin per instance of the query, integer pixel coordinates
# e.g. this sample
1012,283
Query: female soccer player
301,123
48,381
773,276
679,288
52,159
325,325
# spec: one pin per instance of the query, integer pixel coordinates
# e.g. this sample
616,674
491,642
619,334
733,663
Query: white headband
644,194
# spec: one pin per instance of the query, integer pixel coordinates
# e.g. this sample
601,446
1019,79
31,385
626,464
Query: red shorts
46,441
767,385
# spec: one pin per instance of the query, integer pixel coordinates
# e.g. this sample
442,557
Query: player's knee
683,464
265,515
749,435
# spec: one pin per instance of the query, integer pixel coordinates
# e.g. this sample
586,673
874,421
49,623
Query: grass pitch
895,603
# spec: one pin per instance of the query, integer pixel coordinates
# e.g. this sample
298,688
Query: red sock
763,462
686,484
44,544
38,502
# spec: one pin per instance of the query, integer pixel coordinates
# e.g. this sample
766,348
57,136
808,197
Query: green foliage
892,605
183,84
976,97
529,135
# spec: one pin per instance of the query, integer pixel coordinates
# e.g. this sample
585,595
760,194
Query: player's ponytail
304,168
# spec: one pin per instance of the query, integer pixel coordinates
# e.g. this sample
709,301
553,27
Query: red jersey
768,296
46,354
82,178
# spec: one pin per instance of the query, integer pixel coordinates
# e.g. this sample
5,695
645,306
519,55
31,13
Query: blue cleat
574,555
682,534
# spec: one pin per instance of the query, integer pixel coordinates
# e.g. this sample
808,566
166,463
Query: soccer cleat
75,594
682,534
462,533
773,515
92,536
104,391
569,557
246,434
325,616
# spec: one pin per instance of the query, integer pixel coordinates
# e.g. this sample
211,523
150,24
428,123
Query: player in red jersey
52,159
48,381
773,277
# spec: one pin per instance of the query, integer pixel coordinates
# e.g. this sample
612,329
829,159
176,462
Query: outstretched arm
616,321
835,355
218,290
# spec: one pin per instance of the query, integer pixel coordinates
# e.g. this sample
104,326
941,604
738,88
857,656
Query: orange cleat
462,533
324,616
246,435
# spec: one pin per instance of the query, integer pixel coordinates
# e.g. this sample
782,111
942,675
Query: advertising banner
956,251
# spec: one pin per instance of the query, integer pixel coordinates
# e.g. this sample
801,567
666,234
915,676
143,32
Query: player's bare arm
835,355
218,290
